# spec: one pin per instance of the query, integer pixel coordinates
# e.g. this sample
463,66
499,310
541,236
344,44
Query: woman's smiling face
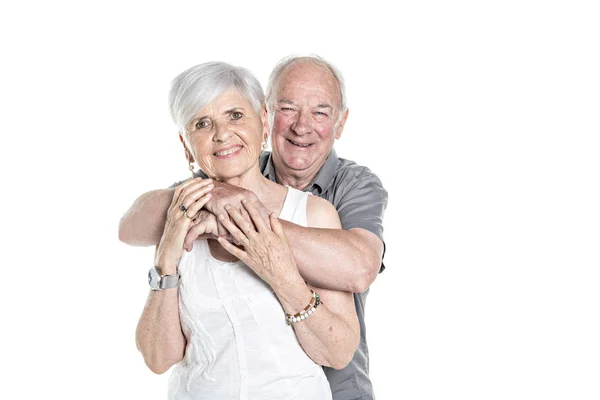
225,137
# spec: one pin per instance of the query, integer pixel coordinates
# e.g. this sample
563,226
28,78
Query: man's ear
188,154
340,128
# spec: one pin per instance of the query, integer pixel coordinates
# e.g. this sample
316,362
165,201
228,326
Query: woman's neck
254,181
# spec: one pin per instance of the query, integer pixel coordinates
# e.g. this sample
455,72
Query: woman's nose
222,132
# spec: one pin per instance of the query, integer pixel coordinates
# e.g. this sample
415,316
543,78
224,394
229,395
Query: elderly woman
238,321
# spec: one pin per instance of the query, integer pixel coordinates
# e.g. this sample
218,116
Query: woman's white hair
312,59
196,87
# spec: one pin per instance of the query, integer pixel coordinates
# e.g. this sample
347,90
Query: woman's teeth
229,151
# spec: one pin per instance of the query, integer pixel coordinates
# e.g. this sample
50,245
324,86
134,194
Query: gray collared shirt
360,200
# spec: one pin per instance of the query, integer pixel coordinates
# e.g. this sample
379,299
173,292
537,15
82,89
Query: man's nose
302,124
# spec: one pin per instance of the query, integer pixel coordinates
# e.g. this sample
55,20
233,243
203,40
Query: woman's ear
264,116
188,154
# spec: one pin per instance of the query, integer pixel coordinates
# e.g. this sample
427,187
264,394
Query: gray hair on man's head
312,59
196,87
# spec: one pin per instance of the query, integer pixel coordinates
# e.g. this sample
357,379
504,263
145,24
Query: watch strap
169,281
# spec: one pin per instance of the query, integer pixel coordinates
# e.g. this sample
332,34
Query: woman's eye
236,115
202,124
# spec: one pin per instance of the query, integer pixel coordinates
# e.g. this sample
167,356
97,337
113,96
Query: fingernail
244,201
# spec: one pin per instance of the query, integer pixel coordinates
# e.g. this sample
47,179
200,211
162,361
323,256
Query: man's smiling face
307,109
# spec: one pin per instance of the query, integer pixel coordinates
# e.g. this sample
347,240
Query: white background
481,118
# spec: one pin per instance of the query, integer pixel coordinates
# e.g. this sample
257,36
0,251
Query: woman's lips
228,152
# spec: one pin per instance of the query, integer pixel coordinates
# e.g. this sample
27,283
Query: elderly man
307,105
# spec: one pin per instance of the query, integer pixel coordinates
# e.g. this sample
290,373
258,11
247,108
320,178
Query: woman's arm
331,334
158,335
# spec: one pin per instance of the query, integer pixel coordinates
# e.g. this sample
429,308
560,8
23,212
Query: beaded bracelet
308,310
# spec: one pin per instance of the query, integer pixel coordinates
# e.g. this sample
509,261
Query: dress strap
294,207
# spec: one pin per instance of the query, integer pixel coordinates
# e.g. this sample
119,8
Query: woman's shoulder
321,214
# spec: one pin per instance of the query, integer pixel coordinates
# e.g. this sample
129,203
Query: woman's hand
205,226
265,249
188,200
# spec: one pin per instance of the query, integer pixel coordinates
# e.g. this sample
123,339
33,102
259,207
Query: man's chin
298,164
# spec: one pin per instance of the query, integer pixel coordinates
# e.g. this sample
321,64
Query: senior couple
263,260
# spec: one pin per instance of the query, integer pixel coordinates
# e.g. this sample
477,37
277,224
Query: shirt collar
320,182
269,169
325,175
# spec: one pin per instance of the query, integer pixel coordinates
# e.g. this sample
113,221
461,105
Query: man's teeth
298,144
226,152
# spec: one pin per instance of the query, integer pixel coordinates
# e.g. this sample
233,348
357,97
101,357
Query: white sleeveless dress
239,345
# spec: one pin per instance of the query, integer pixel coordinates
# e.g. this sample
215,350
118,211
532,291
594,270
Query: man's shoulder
348,172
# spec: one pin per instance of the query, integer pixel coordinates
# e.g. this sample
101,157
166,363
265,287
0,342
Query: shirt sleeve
363,201
197,174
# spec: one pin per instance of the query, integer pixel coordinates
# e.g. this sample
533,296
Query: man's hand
224,193
205,226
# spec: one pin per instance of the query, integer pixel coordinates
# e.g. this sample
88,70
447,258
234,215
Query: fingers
255,216
196,206
195,191
276,225
244,224
193,234
188,187
244,213
237,252
238,236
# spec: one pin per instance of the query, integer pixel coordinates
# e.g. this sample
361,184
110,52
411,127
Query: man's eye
321,113
287,109
236,115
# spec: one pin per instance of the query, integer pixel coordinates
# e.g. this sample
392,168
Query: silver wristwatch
160,282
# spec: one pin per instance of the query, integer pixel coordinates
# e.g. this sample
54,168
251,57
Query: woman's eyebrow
233,109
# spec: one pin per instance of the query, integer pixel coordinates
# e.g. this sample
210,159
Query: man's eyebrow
324,105
286,101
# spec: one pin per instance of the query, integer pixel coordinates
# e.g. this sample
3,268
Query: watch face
153,278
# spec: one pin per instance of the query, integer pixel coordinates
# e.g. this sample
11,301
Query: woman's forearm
158,335
328,338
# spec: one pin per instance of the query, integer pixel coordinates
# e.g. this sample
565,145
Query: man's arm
144,222
347,259
337,259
